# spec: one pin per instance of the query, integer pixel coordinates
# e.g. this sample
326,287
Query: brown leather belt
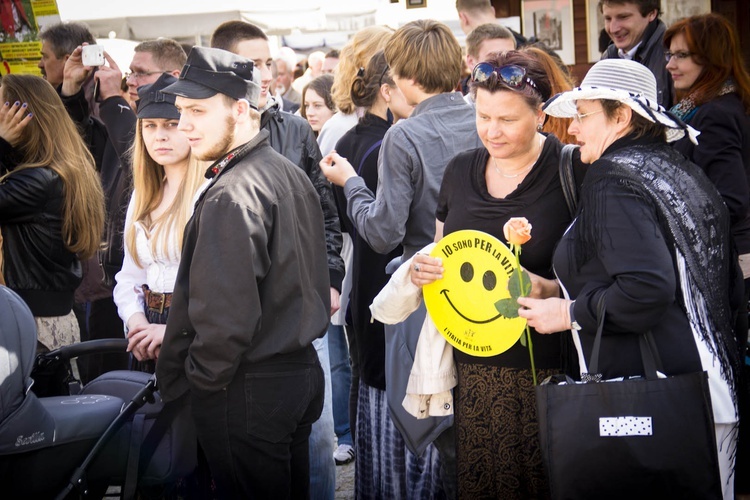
156,301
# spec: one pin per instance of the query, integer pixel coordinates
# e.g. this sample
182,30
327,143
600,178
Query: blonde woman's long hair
356,54
148,187
52,140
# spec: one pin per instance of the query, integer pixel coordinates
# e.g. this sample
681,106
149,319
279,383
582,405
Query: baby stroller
115,432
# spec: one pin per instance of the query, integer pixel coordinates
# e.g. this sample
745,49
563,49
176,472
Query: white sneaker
343,454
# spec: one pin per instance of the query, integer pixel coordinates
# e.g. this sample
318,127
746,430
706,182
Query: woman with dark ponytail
382,457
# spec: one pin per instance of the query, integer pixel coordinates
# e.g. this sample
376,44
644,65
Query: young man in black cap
292,136
251,294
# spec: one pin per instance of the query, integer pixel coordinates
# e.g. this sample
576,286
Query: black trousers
255,432
99,320
354,388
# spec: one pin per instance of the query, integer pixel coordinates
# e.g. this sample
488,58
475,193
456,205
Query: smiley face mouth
445,292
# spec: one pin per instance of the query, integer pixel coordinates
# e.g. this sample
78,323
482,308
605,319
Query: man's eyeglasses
512,75
578,117
680,55
137,75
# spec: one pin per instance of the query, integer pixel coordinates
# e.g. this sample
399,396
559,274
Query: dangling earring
539,127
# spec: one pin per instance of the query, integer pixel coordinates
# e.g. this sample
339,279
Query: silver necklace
514,175
541,146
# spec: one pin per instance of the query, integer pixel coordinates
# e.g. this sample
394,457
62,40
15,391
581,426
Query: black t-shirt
465,203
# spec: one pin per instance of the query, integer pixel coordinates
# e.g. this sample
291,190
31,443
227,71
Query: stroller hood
17,351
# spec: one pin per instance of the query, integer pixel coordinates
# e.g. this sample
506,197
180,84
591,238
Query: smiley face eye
467,272
489,280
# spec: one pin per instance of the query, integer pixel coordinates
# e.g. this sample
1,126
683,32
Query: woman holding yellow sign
516,174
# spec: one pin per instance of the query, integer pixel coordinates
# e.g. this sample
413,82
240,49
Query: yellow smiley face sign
477,267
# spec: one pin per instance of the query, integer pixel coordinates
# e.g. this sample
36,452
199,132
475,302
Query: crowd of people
234,215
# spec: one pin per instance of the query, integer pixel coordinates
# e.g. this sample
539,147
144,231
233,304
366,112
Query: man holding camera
94,306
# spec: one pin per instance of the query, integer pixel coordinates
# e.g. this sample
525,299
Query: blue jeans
322,466
341,381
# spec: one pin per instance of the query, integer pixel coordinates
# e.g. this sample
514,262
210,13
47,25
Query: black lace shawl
695,223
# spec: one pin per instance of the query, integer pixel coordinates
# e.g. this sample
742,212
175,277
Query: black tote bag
635,438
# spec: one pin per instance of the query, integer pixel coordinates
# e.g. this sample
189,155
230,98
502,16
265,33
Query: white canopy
181,19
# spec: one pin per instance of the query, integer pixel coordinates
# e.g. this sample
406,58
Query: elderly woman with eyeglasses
515,174
652,238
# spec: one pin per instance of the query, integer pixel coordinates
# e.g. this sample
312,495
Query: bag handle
362,164
367,154
649,352
650,356
567,179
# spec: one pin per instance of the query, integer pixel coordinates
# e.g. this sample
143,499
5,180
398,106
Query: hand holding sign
477,268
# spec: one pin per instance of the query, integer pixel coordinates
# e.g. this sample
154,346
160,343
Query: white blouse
158,272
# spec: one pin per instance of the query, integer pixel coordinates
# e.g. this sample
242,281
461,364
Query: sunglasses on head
512,75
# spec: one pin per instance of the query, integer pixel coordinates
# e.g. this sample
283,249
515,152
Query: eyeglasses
680,55
512,75
137,76
578,117
382,75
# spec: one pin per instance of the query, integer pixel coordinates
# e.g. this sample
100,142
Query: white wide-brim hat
628,82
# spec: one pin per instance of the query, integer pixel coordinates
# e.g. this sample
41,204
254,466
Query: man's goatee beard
222,147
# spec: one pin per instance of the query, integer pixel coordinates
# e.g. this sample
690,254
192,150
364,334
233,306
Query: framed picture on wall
551,22
673,10
598,38
416,4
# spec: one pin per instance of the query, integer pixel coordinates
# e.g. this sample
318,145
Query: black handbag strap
649,352
567,179
159,429
594,375
650,356
134,453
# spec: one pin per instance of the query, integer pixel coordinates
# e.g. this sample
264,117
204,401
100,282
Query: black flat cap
208,72
153,103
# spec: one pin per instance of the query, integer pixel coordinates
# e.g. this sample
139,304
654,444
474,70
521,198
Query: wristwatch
573,323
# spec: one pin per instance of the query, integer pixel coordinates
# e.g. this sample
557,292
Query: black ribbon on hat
225,82
156,96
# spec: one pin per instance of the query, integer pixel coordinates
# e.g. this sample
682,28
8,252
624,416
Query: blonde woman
166,182
355,55
51,205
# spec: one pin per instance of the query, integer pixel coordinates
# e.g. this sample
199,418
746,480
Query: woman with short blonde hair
353,58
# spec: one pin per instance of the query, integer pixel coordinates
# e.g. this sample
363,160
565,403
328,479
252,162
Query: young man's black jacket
292,137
